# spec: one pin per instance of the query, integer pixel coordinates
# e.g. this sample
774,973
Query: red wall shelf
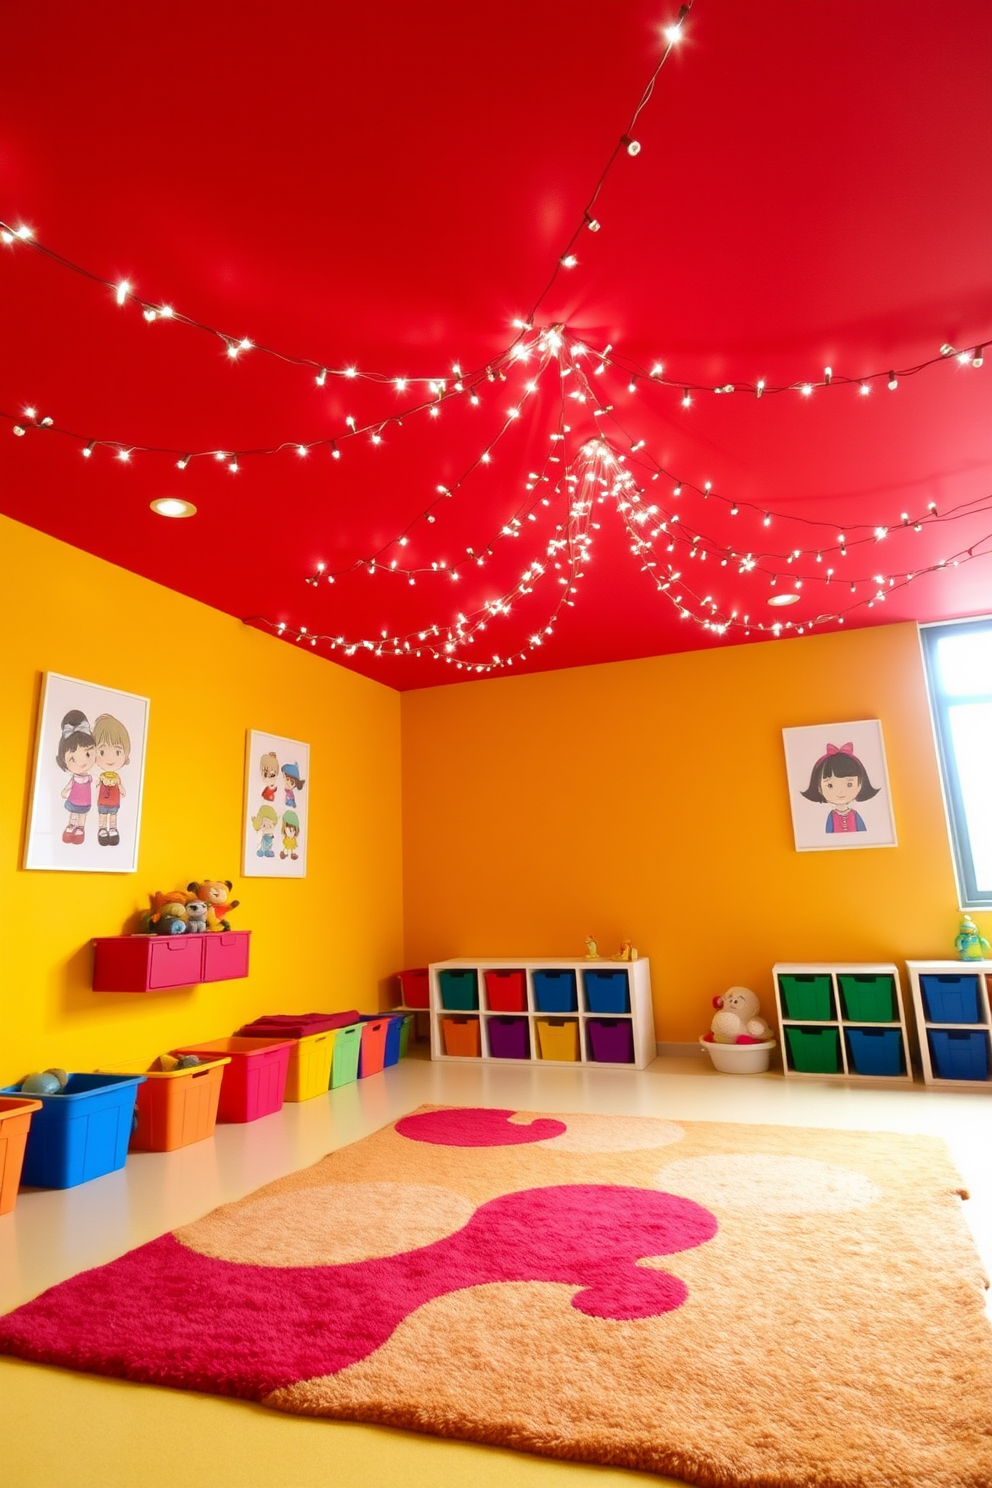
154,963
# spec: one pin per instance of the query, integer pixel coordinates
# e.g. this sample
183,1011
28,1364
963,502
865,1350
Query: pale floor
58,1428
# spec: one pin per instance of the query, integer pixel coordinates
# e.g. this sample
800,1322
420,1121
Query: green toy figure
969,942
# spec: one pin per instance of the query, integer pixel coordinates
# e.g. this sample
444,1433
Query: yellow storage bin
310,1059
559,1038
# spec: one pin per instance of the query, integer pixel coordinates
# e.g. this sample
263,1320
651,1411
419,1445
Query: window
958,660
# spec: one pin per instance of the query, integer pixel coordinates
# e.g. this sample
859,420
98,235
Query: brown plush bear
214,893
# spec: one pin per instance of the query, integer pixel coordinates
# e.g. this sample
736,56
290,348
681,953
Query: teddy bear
738,1021
214,894
196,916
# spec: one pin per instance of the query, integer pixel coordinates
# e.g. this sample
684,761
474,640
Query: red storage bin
506,991
254,1082
415,987
371,1059
225,954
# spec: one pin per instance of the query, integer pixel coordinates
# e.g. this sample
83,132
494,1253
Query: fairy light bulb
181,464
864,389
807,389
686,398
977,356
592,224
321,377
88,451
569,261
633,146
122,291
828,373
893,382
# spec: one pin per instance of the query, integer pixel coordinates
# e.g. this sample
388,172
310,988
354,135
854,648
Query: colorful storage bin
415,987
254,1082
607,991
309,1071
869,998
461,1037
506,991
558,1038
459,990
876,1051
611,1040
950,999
81,1133
958,1054
15,1122
406,1033
175,1107
814,1051
375,1026
807,995
554,992
347,1049
509,1038
394,1034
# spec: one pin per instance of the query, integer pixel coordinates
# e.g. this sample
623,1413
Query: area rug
730,1305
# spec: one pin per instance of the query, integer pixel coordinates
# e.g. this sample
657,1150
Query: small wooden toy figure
969,942
627,952
592,949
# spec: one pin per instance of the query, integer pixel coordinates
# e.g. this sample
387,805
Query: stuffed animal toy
169,901
214,893
171,920
738,1021
196,916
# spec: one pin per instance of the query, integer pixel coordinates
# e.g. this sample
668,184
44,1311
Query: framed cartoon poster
88,776
277,795
839,786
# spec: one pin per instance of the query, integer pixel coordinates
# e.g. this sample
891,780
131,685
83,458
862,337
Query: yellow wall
648,799
328,941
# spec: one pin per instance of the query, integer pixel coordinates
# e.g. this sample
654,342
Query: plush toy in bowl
739,1041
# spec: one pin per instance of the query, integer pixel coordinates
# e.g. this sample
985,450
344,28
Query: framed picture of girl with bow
88,777
839,786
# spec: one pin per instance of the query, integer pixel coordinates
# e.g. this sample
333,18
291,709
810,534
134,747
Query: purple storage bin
508,1038
611,1040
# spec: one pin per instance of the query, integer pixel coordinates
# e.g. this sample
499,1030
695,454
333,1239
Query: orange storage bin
461,1037
174,1107
15,1120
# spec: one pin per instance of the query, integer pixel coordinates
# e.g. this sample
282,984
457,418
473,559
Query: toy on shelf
969,942
214,893
196,916
627,952
169,1062
738,1020
592,948
45,1082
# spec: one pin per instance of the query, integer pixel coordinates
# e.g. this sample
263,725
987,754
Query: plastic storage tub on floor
814,1051
309,1070
950,999
611,1041
807,995
394,1037
15,1122
867,999
958,1054
254,1083
506,992
375,1027
554,992
406,1033
876,1051
509,1038
175,1107
558,1038
607,991
415,987
459,990
461,1037
80,1134
347,1048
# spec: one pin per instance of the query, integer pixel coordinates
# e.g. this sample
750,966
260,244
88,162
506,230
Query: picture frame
88,778
839,790
277,799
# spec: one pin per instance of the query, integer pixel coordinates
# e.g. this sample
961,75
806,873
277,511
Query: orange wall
330,940
648,799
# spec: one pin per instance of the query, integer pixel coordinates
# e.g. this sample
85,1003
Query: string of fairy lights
581,472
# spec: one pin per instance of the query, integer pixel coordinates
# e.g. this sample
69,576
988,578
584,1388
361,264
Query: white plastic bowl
739,1059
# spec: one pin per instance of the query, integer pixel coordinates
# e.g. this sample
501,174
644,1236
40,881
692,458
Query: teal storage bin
82,1133
459,990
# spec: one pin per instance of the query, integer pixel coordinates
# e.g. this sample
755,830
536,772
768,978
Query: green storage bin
347,1047
807,995
814,1051
868,999
405,1028
459,990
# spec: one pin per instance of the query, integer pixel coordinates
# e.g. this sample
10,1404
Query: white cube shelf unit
951,1001
569,1026
859,1031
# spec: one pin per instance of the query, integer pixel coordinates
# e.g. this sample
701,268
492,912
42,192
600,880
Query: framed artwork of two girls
277,795
839,786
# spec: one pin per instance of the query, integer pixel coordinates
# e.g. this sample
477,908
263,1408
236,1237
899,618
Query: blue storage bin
393,1032
555,992
82,1133
607,991
958,1054
876,1051
950,999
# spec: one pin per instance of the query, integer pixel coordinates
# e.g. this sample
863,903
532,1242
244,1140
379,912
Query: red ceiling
388,186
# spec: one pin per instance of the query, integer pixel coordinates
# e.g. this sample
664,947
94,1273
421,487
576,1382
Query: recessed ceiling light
171,506
783,599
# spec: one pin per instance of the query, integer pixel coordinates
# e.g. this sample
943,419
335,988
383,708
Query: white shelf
640,1016
834,970
982,970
